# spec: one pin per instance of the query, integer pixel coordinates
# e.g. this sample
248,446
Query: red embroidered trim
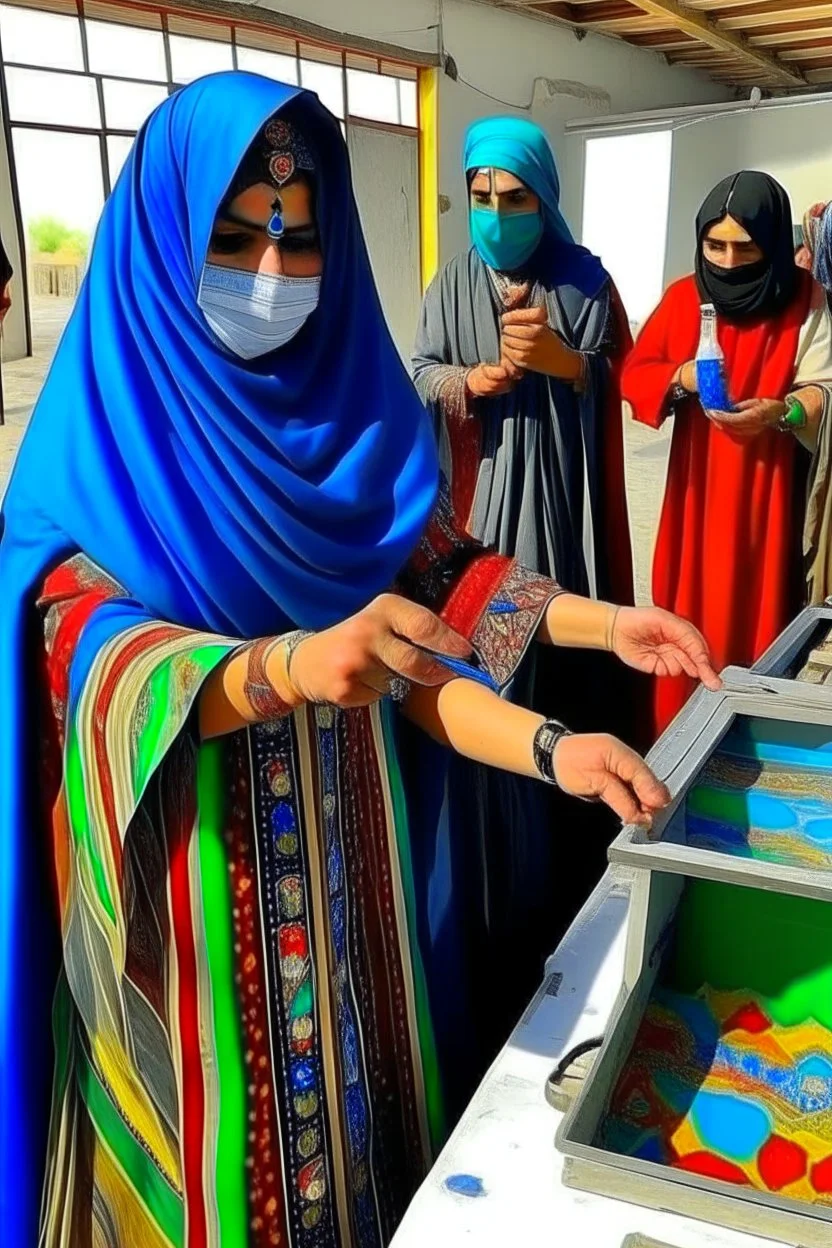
469,599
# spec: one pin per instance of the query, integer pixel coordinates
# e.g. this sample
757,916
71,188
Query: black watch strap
545,741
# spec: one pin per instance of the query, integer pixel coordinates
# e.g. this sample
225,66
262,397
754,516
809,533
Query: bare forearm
478,724
578,623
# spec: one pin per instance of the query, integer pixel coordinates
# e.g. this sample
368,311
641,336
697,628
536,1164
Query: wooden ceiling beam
795,32
704,27
597,12
775,12
807,50
660,40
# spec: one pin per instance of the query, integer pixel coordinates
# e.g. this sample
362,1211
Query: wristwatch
794,417
545,742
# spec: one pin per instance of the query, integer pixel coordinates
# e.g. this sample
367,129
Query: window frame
241,33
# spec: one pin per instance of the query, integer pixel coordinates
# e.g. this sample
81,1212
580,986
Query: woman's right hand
486,381
352,663
601,768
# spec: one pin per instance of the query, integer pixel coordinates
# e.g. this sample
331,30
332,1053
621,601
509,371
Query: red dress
728,553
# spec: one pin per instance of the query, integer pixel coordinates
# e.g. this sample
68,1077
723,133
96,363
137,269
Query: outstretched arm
479,725
645,638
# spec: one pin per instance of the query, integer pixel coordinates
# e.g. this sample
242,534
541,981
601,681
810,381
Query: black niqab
752,291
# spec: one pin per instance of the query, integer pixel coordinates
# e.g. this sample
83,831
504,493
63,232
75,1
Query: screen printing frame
588,1167
783,653
678,760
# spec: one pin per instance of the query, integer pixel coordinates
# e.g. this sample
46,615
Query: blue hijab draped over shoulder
240,497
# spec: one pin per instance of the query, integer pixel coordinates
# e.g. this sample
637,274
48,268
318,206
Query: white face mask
254,313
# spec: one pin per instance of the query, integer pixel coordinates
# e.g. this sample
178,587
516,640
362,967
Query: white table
505,1141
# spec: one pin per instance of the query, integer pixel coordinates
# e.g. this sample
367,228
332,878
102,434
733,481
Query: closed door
385,170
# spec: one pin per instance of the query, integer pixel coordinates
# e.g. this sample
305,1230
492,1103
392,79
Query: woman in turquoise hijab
517,359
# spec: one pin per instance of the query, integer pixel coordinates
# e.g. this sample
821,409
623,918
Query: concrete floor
22,379
646,450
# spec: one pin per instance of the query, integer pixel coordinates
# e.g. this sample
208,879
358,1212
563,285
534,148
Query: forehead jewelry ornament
281,167
276,226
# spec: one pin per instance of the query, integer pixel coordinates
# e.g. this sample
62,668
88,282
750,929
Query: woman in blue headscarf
518,359
228,448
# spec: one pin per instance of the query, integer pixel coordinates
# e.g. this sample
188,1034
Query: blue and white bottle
710,366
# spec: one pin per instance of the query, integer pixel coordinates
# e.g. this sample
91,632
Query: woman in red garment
728,554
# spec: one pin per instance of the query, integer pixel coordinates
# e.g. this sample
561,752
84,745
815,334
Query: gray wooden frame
588,1167
786,649
678,760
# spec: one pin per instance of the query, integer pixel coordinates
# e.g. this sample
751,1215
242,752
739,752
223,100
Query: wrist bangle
259,691
794,417
291,642
612,620
545,743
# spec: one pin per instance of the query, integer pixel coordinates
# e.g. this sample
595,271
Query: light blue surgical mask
255,313
505,241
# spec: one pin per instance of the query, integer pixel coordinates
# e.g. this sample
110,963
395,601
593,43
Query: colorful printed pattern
716,1088
730,1074
767,794
133,894
297,1036
355,1097
245,1049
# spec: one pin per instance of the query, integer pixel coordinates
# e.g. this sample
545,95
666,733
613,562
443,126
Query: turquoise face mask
505,241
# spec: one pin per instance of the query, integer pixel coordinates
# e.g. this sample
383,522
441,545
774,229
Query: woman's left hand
529,344
751,417
659,643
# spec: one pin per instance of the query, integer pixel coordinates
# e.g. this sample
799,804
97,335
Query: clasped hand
527,345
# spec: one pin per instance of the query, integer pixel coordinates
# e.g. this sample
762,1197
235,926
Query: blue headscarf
240,497
518,146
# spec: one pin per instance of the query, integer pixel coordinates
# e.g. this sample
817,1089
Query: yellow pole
429,172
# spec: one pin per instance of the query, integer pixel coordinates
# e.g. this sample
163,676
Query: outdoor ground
646,450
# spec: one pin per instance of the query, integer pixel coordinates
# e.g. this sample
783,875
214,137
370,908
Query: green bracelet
794,418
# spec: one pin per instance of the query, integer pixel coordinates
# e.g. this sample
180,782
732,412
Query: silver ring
399,688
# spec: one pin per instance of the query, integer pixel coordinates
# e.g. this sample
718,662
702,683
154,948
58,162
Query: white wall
14,326
385,169
502,53
793,144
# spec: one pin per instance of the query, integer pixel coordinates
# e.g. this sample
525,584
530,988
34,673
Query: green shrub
49,236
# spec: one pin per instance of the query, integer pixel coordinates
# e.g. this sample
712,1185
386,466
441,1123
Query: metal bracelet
259,691
291,641
545,742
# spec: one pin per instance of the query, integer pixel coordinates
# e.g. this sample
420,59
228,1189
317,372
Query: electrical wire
525,108
579,1050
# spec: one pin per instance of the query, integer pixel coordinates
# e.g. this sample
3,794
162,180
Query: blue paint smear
819,830
730,1125
770,814
465,1185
